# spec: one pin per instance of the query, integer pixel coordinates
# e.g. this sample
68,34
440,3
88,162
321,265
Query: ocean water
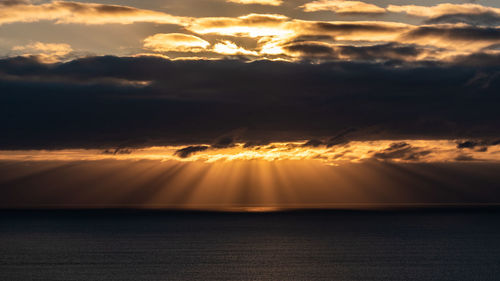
313,245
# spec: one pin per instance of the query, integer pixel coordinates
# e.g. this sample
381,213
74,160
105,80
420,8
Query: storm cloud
108,101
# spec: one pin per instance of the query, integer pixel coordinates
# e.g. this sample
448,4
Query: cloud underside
141,101
67,12
442,9
274,32
279,37
277,78
46,52
343,7
473,14
177,42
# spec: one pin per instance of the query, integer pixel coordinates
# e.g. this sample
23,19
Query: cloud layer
448,30
110,101
343,7
267,75
66,12
176,42
259,2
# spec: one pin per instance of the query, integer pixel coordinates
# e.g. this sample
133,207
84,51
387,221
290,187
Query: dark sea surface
306,245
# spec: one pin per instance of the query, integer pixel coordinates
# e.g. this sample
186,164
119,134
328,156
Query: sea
154,245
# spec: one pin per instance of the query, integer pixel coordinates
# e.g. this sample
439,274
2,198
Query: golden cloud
426,151
46,52
83,13
347,31
260,2
227,47
453,37
272,25
343,7
273,32
175,42
252,25
442,9
354,30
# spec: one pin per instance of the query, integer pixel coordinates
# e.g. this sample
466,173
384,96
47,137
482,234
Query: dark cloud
390,51
487,18
309,49
402,151
307,37
256,143
477,145
116,151
14,2
99,8
480,60
349,28
463,33
103,102
467,144
190,150
224,142
229,139
313,143
340,138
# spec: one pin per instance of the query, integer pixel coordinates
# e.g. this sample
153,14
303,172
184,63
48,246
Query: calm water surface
315,245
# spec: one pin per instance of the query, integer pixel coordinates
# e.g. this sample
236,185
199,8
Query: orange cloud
82,13
46,52
442,9
178,42
273,32
453,37
260,2
226,47
343,31
426,151
252,25
343,7
267,25
175,42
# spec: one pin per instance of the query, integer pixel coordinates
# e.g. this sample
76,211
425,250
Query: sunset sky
249,103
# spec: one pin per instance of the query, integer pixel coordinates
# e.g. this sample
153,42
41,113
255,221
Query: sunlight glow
354,151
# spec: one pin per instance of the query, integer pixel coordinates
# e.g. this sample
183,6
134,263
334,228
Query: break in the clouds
189,102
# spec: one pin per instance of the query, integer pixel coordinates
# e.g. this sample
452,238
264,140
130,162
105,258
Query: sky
237,103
